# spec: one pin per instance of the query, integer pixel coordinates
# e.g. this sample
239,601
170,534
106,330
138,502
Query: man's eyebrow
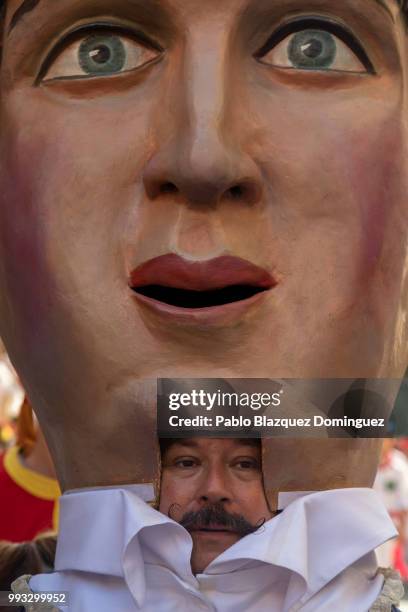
194,443
189,442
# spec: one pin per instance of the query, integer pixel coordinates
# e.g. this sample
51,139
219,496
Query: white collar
317,536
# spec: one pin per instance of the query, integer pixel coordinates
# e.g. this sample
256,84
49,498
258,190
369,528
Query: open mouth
173,281
185,298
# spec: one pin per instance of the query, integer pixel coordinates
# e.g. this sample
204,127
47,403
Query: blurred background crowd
29,491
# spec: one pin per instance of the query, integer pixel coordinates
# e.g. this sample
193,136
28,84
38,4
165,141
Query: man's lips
175,281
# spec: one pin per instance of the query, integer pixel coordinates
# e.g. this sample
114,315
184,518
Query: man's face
213,487
197,189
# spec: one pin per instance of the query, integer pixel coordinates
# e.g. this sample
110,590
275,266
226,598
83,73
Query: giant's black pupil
101,54
313,48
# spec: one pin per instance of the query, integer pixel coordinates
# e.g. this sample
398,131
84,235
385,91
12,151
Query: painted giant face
254,151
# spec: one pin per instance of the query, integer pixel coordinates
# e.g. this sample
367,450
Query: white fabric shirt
117,554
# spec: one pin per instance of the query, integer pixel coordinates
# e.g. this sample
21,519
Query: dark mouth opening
185,298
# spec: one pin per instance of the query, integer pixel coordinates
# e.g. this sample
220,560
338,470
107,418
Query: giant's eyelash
304,23
92,28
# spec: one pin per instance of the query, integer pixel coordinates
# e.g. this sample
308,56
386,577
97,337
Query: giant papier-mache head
190,190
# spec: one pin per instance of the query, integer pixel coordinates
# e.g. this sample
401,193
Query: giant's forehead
168,12
20,7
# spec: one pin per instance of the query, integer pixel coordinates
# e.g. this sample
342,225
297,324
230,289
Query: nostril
245,191
236,192
168,188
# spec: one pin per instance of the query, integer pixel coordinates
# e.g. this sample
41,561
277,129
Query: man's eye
99,54
328,48
247,464
186,463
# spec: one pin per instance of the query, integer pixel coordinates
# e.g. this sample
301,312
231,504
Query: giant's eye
102,53
320,46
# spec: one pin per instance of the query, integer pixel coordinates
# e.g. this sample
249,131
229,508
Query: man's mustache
215,516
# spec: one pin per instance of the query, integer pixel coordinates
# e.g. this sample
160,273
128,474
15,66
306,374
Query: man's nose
200,155
214,486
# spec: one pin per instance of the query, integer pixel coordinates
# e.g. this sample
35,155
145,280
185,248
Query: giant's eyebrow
261,10
386,7
29,5
153,11
26,7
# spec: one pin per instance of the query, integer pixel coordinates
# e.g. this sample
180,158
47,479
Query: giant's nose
202,153
202,171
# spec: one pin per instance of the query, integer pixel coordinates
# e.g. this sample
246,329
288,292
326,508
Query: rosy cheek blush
23,231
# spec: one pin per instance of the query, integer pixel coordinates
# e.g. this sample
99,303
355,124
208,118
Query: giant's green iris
312,49
102,54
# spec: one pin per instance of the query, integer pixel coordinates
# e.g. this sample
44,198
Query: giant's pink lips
219,290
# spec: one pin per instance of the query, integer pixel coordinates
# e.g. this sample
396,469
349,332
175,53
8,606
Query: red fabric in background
399,562
22,516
